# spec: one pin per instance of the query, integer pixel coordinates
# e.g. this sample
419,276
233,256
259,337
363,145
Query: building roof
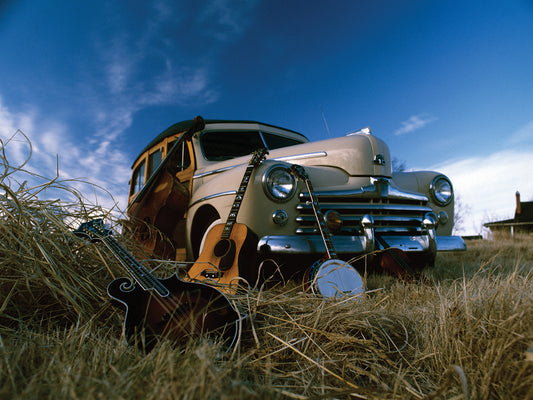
523,215
527,212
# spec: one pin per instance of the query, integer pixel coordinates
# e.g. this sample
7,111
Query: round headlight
279,183
441,190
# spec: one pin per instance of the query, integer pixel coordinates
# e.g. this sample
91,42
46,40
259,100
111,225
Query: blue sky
447,84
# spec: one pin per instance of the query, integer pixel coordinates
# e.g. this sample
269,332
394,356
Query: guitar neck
138,271
324,231
232,217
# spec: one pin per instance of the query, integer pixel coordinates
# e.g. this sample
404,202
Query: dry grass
464,335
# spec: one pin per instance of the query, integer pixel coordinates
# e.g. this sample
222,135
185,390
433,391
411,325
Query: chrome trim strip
405,230
214,171
379,188
286,158
391,193
212,196
311,219
367,206
302,156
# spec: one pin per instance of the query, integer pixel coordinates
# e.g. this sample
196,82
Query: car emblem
379,159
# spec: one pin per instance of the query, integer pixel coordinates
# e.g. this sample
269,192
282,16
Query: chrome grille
393,211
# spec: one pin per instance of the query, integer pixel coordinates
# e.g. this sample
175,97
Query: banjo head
334,279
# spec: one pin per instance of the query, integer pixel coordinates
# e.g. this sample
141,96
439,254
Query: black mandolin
164,308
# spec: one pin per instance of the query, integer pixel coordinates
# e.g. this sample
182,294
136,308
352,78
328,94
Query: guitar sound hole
225,251
222,248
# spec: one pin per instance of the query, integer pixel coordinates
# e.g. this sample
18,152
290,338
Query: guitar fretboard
232,217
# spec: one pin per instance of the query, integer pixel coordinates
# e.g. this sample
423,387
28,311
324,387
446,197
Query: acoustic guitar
164,308
229,247
330,276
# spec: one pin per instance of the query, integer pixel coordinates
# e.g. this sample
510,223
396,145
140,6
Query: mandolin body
189,310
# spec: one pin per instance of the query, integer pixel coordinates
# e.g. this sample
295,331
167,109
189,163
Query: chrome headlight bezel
441,190
279,183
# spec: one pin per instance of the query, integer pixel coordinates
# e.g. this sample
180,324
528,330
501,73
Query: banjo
329,276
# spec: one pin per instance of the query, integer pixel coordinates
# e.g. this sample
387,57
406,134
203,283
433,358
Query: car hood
358,155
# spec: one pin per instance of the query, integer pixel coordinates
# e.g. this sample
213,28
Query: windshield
219,146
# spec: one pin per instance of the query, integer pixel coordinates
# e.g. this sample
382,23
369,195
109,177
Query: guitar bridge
211,274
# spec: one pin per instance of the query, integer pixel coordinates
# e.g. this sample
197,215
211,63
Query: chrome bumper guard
426,242
294,245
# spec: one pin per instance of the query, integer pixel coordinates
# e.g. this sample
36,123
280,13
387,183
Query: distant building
521,223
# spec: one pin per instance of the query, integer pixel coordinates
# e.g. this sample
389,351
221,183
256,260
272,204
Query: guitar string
185,303
232,217
328,242
138,270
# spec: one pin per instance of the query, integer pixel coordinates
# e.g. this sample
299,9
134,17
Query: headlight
279,183
441,190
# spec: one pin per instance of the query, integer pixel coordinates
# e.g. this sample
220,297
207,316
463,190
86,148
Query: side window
154,160
183,158
219,146
276,141
137,180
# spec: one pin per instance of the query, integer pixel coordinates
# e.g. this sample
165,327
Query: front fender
420,181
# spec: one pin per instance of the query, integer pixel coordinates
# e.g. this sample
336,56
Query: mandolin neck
138,271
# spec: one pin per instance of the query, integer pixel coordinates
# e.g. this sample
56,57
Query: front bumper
313,244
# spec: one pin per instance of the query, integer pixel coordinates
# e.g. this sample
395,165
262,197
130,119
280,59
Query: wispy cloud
226,20
523,135
143,68
125,71
52,149
415,123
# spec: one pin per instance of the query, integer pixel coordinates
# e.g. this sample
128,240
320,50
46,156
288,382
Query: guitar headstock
93,230
258,156
300,172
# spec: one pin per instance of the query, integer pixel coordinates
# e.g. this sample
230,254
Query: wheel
203,221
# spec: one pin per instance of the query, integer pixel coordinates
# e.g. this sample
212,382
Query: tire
201,224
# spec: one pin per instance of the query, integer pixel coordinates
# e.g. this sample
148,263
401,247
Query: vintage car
365,204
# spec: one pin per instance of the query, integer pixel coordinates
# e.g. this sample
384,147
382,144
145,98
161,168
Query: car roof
184,125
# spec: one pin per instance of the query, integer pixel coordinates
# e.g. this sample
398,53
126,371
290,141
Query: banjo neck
319,216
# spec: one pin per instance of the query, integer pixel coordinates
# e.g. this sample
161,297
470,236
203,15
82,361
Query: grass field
465,333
